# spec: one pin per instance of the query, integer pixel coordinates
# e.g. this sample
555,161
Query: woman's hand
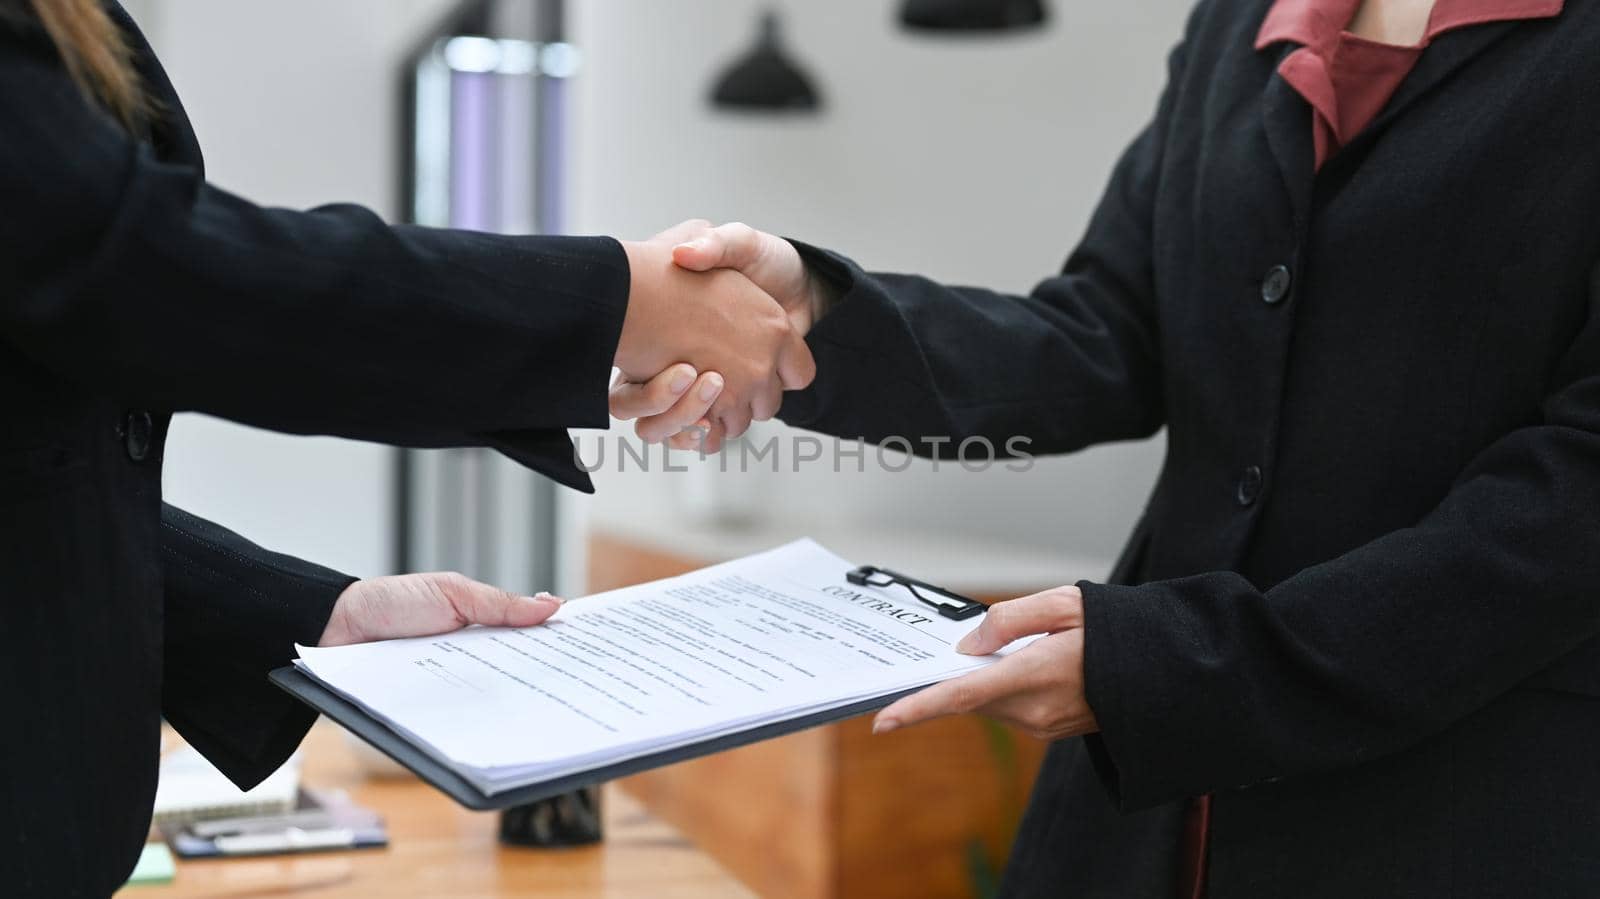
716,320
668,403
769,262
417,605
1038,688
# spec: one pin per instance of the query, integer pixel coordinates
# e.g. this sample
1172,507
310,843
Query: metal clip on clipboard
949,603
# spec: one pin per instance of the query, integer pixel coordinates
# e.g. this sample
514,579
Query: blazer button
1249,486
1275,286
137,430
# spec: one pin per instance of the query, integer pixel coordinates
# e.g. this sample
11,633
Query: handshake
714,333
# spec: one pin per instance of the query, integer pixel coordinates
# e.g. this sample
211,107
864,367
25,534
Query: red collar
1316,23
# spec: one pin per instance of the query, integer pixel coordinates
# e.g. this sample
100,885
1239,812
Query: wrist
824,279
338,631
821,296
644,262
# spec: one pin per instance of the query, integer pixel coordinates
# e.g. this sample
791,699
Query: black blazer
129,289
1368,580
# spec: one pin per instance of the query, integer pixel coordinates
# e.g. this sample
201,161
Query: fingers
797,368
418,605
632,399
1039,689
690,408
684,417
764,407
691,436
733,417
478,603
715,437
704,437
953,697
1042,613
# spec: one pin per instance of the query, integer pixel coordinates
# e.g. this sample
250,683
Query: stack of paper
768,638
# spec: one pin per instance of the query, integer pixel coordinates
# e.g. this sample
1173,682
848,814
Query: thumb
478,603
1042,613
734,245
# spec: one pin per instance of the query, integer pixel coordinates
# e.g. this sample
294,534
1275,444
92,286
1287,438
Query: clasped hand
702,345
714,334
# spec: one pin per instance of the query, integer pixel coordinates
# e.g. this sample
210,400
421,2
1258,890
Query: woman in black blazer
131,288
1361,610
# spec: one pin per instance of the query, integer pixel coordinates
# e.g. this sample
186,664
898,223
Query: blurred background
970,156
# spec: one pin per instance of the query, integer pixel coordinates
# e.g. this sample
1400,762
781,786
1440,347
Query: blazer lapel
1444,56
1286,118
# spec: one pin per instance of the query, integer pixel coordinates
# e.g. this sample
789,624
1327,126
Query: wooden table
439,849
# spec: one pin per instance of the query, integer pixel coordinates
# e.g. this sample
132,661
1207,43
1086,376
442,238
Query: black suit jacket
1363,603
130,288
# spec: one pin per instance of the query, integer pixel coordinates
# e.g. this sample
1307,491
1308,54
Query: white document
762,639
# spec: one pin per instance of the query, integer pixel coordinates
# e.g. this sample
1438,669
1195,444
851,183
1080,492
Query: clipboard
439,775
444,778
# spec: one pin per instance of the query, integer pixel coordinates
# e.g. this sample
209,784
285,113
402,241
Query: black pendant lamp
972,15
766,79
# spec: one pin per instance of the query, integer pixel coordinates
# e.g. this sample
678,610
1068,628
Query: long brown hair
97,56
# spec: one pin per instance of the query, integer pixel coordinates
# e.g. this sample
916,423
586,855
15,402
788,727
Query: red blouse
1347,80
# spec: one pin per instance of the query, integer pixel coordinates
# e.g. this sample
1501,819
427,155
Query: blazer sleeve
1206,682
136,278
233,613
1073,363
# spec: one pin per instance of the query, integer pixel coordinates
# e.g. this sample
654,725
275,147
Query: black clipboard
400,748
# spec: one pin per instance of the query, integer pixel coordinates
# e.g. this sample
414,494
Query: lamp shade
766,79
972,15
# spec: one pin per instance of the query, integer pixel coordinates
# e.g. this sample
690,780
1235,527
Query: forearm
233,612
134,277
331,321
902,356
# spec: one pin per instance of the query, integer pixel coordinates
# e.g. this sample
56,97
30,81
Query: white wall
294,102
974,161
